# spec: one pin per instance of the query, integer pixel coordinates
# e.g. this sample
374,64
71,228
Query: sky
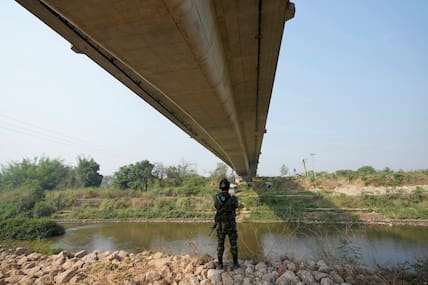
351,89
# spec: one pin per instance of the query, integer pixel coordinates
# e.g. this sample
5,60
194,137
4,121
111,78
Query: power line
29,133
22,127
45,130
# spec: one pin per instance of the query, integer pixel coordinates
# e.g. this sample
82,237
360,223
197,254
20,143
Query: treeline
30,180
49,174
35,189
385,177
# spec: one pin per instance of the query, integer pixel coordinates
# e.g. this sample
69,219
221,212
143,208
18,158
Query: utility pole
304,165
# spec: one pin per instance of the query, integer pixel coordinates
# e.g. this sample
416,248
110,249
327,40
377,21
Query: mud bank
18,266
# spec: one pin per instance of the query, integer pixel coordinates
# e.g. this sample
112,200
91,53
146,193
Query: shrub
29,229
42,209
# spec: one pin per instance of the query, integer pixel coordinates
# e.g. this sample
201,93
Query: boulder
80,254
214,275
288,278
336,277
226,279
291,266
65,276
306,276
326,281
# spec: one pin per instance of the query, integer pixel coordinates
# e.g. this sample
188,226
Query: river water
366,245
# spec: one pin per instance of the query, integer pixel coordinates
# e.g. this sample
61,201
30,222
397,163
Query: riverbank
19,266
384,222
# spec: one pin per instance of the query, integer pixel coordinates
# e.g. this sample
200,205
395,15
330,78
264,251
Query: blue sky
351,87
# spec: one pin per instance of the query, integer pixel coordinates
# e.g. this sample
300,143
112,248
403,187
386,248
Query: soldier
226,205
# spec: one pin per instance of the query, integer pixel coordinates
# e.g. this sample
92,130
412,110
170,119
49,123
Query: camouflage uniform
226,224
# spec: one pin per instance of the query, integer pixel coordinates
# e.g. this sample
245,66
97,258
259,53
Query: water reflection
366,245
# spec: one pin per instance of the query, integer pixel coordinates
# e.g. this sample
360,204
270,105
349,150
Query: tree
107,181
47,173
366,170
220,171
283,170
177,175
159,171
173,177
122,177
142,175
52,174
87,172
134,176
185,169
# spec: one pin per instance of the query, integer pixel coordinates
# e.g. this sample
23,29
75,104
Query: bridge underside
208,66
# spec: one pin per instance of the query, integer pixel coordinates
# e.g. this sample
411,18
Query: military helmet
224,184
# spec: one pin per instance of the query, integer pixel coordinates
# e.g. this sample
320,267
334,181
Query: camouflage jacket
226,206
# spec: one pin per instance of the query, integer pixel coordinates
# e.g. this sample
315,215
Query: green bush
365,170
29,229
42,209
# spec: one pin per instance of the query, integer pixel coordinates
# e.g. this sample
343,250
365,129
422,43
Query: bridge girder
208,66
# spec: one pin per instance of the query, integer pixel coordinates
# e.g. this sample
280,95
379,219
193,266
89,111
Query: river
366,245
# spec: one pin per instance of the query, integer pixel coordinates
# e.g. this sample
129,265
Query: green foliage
29,229
365,170
46,173
134,176
7,210
42,209
350,174
25,205
173,177
43,246
177,175
220,171
87,173
159,171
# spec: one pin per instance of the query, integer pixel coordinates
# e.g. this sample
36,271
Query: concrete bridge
206,65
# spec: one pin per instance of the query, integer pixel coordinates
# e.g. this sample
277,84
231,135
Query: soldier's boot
235,262
220,262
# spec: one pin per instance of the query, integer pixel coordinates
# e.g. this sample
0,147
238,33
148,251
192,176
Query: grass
39,245
275,205
28,229
286,200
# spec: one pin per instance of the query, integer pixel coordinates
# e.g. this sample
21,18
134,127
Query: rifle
212,229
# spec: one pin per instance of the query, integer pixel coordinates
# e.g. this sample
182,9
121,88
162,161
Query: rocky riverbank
19,266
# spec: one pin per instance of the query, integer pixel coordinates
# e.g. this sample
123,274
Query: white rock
20,251
287,278
65,276
214,275
261,267
205,282
268,277
153,276
189,280
80,254
336,277
291,266
319,275
306,276
226,278
326,281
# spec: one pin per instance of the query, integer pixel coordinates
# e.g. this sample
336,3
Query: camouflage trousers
223,230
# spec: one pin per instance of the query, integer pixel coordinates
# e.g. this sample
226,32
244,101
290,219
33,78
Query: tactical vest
225,205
